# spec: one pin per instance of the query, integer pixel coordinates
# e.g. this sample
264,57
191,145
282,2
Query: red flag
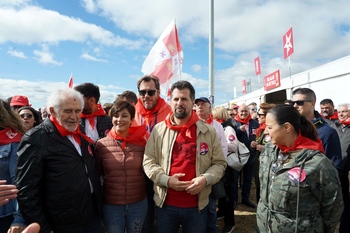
288,44
70,82
168,95
165,58
257,66
244,86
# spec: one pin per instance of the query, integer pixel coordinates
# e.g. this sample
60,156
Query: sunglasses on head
29,116
299,102
149,92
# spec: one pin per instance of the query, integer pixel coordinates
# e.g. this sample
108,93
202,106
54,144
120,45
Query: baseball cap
20,100
235,106
204,99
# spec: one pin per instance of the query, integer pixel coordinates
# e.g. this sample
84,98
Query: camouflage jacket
319,190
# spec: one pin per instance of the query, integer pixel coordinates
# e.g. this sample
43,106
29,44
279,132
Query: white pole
211,52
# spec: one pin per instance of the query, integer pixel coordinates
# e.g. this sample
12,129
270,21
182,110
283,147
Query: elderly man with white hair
58,184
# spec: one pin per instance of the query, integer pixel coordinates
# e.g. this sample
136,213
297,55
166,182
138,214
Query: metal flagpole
211,52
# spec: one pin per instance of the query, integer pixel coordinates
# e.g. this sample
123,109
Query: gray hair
344,105
57,98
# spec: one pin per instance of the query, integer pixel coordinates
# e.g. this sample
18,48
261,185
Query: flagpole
211,52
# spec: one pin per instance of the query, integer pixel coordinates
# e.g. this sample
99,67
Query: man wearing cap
19,101
94,121
203,110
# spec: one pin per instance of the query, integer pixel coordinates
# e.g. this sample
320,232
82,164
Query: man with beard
150,110
184,158
58,184
94,121
327,110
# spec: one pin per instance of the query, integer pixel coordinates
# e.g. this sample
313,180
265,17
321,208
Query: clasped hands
192,187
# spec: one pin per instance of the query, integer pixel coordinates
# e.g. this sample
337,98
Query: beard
181,115
69,127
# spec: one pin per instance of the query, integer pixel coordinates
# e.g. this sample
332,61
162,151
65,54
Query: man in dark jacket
56,176
94,122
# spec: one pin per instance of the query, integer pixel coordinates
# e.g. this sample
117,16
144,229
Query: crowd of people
141,164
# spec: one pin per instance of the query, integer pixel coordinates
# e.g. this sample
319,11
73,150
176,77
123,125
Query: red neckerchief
76,134
260,129
303,143
8,136
193,119
220,120
333,117
210,119
137,136
244,121
345,122
148,113
99,112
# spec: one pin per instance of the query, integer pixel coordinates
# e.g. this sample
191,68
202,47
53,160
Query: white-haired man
58,184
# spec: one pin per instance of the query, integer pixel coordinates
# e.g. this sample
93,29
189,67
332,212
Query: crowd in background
140,164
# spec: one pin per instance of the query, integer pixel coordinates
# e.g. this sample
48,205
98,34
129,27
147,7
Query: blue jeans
248,171
117,218
169,219
212,216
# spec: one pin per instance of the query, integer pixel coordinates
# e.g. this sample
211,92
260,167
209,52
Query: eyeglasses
149,92
29,116
254,109
299,102
261,114
232,114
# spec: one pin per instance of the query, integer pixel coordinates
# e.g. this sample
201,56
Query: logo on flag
288,44
165,58
257,66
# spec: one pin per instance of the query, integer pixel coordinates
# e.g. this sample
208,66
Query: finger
32,228
179,174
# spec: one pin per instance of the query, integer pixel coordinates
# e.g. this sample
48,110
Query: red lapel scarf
64,132
145,113
137,135
193,119
303,143
99,112
260,129
345,122
243,121
333,117
8,136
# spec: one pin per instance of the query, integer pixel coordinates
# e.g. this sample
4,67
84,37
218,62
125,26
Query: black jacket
53,183
103,125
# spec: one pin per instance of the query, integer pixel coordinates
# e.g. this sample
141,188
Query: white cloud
7,3
92,58
44,56
196,68
89,5
16,53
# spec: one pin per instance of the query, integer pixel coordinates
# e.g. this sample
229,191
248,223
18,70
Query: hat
204,99
235,106
20,100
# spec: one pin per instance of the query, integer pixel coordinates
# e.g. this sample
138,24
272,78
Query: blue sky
106,41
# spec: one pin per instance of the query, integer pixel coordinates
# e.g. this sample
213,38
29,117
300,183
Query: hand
198,184
253,144
242,128
7,192
259,147
176,184
33,228
16,229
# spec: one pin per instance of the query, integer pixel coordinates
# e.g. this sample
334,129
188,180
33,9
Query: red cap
235,106
20,100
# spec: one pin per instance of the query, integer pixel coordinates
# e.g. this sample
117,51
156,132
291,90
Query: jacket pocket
4,157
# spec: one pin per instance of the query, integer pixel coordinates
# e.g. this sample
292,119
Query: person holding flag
94,121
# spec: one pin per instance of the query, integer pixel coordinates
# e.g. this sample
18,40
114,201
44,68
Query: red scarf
260,129
99,112
220,120
333,117
210,119
8,136
243,121
193,119
145,113
303,143
345,122
137,135
76,134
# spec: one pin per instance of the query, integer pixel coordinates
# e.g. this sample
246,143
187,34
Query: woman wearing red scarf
119,159
11,130
300,188
259,142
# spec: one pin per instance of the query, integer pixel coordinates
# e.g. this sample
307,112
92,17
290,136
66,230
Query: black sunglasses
261,114
149,92
299,102
29,116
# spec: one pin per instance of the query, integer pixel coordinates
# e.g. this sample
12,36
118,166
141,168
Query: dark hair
310,94
9,118
130,96
327,101
285,113
89,90
184,85
148,78
35,113
119,106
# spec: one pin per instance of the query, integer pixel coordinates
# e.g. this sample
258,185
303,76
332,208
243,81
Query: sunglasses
254,109
261,114
29,116
232,114
299,102
149,92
